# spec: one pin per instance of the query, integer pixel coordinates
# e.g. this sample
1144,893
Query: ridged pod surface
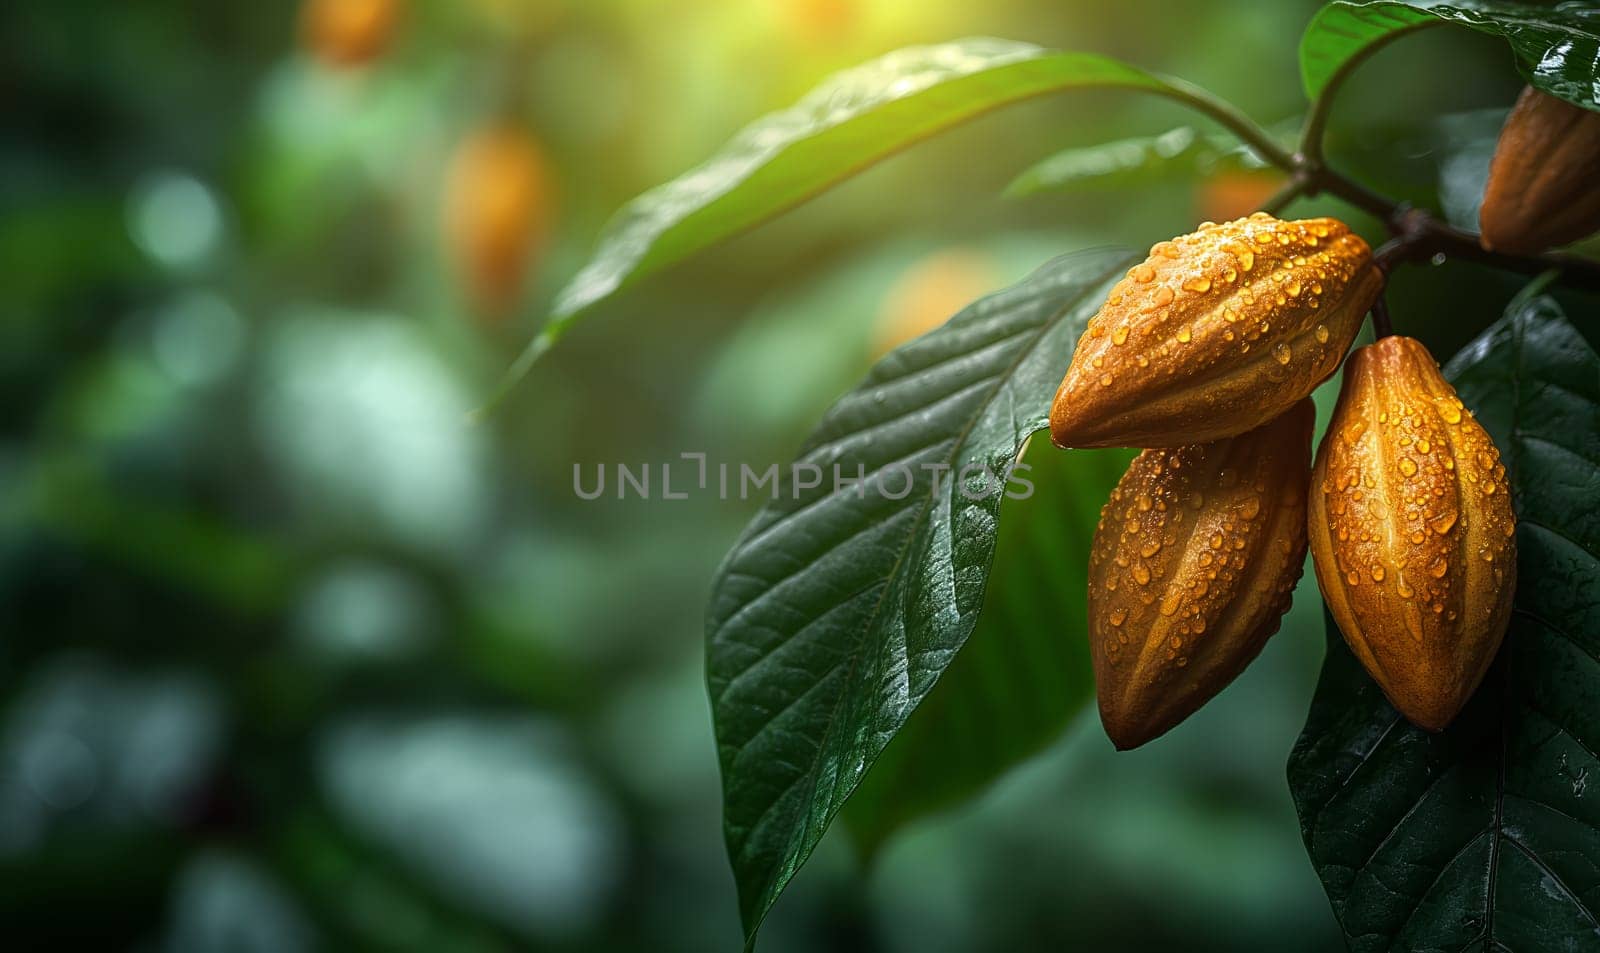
1193,564
1544,181
1412,531
1216,333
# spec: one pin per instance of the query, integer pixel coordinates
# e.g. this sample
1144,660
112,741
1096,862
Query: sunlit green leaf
849,122
1175,153
1024,672
1557,47
839,608
1481,836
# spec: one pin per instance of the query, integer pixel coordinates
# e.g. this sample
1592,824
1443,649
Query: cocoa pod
1193,564
497,212
1544,181
345,33
1216,333
1412,532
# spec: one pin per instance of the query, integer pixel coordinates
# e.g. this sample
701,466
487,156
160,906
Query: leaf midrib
796,855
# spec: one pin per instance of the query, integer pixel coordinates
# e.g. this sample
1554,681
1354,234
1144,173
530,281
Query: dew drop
1164,296
1439,568
1118,616
1251,508
1184,336
1141,575
1144,274
1377,573
1198,285
1281,353
1120,335
1442,524
1407,467
1322,334
1106,379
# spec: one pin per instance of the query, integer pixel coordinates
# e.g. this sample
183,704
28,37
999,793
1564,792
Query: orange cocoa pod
1216,333
1412,532
349,32
1544,181
497,200
1193,565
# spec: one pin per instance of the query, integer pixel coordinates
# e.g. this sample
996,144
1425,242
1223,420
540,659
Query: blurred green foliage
294,658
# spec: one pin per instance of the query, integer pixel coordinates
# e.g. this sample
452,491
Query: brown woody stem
1421,236
1382,327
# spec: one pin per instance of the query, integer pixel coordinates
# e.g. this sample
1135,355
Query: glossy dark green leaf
1557,48
1024,673
1176,153
1463,145
1487,835
840,606
849,122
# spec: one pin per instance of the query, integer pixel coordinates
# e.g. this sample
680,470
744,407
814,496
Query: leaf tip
514,374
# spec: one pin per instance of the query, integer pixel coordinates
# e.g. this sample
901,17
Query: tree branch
1420,236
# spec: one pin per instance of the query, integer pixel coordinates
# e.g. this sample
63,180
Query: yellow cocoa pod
1216,333
1412,532
349,32
1193,565
497,211
1544,182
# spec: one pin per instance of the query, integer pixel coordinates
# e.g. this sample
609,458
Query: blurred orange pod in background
347,33
930,292
497,214
1235,193
819,20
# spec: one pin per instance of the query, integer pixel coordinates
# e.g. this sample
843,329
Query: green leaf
1481,836
1463,146
1024,673
1557,48
849,122
839,608
1175,153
